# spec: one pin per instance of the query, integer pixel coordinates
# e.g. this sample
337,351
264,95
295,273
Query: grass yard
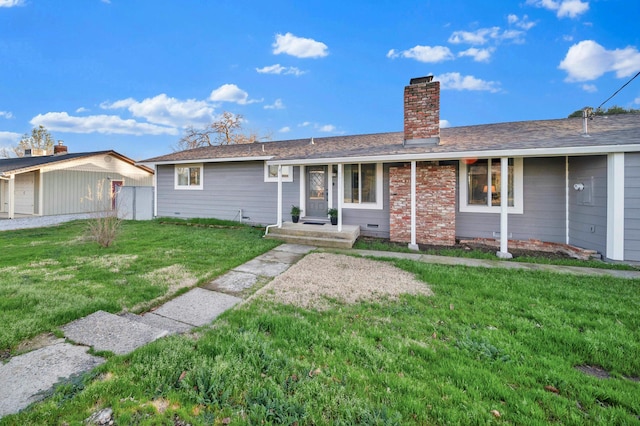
51,276
491,346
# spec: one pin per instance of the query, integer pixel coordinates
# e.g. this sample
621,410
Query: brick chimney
422,112
60,149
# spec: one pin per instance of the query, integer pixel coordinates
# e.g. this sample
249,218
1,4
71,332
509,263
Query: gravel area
39,221
321,277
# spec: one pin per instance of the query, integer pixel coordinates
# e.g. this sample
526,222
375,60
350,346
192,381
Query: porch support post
566,199
279,221
413,245
615,206
303,191
340,194
330,184
504,205
155,191
12,196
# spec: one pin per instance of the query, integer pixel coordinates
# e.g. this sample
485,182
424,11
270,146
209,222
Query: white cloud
81,109
424,54
305,124
11,3
231,93
484,35
444,124
108,124
285,129
299,47
327,128
10,137
588,60
563,8
590,88
523,22
456,81
167,111
478,55
567,37
276,105
279,69
6,114
636,101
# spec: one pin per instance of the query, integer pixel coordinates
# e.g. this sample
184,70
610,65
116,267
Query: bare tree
225,131
40,138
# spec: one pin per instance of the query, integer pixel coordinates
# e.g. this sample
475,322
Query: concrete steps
325,235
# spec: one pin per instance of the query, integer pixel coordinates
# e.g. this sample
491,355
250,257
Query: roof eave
441,156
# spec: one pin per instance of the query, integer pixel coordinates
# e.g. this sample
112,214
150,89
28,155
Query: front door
316,191
115,189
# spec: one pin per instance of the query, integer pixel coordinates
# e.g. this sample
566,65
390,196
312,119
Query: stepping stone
233,281
149,318
295,248
264,268
281,256
27,378
109,332
197,307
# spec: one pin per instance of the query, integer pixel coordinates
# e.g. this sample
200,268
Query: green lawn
489,342
51,276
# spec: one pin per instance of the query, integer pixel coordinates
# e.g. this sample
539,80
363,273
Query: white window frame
287,173
379,192
518,197
187,187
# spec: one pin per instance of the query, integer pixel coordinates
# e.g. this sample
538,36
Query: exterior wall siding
66,187
227,189
435,204
632,206
373,223
544,213
588,208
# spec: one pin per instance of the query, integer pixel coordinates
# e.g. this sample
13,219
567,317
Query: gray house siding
632,206
588,208
544,213
373,223
227,189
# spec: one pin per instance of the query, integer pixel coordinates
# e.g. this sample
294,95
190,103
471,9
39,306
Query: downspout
155,190
279,209
566,198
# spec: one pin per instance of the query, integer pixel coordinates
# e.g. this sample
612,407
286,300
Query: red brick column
435,204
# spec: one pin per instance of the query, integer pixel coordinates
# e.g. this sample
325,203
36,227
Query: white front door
24,193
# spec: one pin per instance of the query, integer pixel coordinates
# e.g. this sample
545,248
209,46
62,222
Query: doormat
313,223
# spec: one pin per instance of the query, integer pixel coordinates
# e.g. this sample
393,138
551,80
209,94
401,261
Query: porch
315,233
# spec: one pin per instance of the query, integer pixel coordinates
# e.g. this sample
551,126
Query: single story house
566,182
66,183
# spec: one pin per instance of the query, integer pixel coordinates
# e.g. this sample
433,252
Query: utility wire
617,91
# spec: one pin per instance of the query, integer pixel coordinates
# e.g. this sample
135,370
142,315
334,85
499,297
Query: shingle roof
29,163
622,129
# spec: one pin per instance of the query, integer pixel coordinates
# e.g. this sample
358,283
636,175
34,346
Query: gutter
442,156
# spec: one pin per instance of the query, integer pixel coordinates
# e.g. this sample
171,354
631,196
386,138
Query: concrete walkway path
30,377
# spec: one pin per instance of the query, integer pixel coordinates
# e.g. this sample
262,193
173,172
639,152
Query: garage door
24,193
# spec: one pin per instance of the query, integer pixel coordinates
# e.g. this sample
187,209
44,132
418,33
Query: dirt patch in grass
594,370
114,263
321,277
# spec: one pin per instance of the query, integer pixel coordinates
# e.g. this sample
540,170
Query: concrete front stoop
325,235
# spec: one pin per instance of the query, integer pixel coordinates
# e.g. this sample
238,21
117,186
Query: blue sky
131,75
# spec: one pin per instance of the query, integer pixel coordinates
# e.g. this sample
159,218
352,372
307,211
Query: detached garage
66,183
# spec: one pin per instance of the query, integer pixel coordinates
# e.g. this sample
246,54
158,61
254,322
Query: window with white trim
271,173
481,183
363,185
188,176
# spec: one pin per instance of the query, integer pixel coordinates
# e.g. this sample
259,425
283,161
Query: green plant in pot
333,215
295,214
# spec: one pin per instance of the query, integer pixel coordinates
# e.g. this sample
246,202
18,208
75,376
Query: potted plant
295,214
333,215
